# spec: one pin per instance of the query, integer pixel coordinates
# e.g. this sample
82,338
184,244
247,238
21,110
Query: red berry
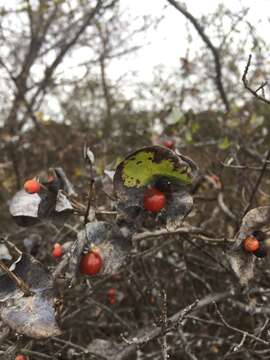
32,186
154,200
112,296
20,357
91,263
57,250
168,144
251,244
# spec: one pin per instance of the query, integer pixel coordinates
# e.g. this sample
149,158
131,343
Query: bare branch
247,86
213,49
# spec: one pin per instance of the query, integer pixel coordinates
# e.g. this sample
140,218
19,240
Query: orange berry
251,244
57,250
20,357
32,186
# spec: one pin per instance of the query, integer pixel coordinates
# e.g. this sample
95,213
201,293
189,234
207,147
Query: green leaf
224,143
189,137
195,127
139,170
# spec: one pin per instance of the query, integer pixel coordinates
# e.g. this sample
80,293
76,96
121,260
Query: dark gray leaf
29,315
242,262
158,167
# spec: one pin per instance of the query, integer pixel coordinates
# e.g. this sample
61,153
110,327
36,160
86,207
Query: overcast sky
168,42
164,45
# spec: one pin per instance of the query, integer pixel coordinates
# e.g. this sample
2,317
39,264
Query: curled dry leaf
65,183
33,315
160,168
113,246
10,255
47,205
241,261
76,254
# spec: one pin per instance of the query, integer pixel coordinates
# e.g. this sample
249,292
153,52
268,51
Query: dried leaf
48,205
63,203
32,315
158,167
242,262
113,246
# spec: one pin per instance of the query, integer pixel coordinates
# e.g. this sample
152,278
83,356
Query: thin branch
247,86
201,233
257,184
213,49
19,282
244,333
148,334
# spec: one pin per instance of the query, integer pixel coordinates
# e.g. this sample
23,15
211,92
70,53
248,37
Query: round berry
154,200
57,250
168,144
251,244
20,357
91,263
32,186
112,296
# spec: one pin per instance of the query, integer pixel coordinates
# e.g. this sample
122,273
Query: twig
90,194
212,48
148,334
90,159
19,282
164,325
253,337
246,84
201,233
35,354
225,208
238,347
257,184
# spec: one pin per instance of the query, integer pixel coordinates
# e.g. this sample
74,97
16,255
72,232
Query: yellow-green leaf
139,170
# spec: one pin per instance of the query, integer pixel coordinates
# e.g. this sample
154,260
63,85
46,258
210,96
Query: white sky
168,42
164,45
